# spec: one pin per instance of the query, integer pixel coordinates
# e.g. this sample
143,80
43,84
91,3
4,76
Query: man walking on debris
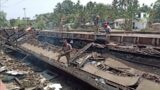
107,29
67,48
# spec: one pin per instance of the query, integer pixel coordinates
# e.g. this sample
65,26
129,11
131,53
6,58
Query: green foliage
77,15
126,9
145,8
155,13
40,22
21,23
69,12
12,22
3,21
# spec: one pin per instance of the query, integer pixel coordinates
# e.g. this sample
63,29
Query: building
139,23
156,26
118,23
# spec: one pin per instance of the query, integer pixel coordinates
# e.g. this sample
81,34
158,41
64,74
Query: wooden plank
148,85
81,51
84,60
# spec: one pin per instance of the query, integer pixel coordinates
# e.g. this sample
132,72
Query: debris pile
151,77
22,75
144,50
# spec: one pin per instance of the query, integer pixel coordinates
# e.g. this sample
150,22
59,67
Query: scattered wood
81,51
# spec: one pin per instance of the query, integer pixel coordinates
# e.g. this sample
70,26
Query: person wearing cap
107,29
67,49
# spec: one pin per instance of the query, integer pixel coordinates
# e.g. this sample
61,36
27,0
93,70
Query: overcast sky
14,8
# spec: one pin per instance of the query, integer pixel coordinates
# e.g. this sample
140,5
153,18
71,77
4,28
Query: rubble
14,73
91,63
96,56
141,50
51,86
2,69
47,75
154,78
18,75
16,69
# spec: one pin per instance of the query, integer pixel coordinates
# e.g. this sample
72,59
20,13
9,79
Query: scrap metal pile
23,76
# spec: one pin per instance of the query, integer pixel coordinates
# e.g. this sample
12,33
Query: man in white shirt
107,29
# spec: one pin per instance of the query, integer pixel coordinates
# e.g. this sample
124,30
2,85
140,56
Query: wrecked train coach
90,62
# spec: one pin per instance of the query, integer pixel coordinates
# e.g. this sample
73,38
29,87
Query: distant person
107,29
31,31
67,48
96,22
30,28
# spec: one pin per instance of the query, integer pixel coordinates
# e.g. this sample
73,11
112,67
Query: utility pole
0,4
25,17
0,11
24,9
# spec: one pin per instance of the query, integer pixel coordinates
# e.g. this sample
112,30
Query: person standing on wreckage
107,29
67,49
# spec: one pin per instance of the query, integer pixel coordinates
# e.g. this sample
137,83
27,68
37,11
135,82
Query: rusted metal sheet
147,41
44,52
73,71
148,85
125,81
100,37
128,39
81,51
117,64
132,38
114,63
115,39
90,69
